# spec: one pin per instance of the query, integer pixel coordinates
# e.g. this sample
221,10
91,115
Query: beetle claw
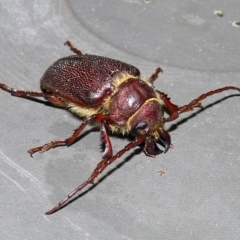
165,138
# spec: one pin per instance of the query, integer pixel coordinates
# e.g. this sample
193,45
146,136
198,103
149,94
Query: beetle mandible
112,95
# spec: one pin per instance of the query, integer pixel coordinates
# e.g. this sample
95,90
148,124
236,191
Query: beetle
112,95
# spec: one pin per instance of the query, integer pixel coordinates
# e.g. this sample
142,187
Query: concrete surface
197,198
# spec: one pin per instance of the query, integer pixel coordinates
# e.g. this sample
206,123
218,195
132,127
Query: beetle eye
140,129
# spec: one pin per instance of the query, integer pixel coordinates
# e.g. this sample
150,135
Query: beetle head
149,121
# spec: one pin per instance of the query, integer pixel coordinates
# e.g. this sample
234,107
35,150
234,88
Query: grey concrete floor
198,197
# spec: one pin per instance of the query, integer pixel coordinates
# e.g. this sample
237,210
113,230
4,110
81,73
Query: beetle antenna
100,167
196,102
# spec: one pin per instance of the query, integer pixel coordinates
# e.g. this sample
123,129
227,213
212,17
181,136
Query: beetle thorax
135,102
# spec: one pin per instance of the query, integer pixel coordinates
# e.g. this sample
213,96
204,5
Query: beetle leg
106,141
100,167
20,93
170,107
68,141
155,75
72,48
32,94
195,103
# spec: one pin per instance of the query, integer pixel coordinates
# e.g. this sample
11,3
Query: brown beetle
112,95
